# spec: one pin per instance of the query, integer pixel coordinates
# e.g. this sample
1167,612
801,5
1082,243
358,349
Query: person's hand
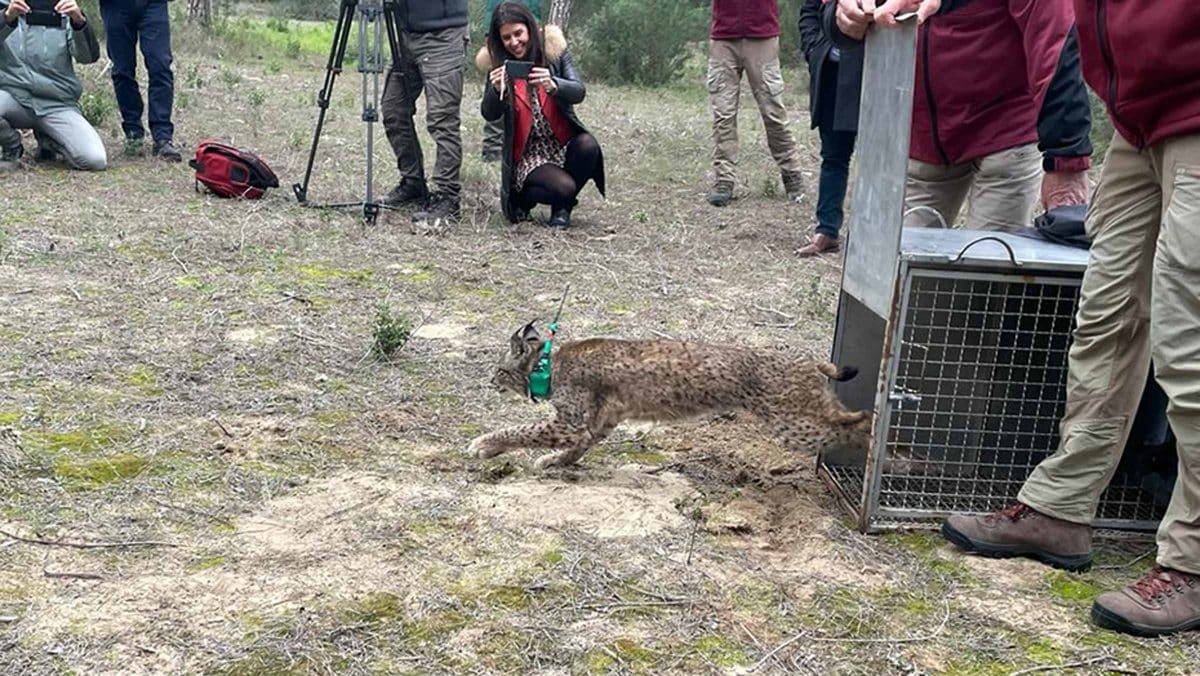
15,9
540,77
851,18
1064,188
886,13
71,9
496,77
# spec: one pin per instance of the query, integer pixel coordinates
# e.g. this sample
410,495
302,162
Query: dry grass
199,372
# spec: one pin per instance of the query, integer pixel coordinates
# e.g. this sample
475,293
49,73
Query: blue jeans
126,22
836,148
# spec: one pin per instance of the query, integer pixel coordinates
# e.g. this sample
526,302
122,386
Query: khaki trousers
1003,189
759,60
1140,300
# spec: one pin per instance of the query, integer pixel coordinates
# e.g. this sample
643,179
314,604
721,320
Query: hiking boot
560,218
722,194
819,244
441,212
166,151
793,186
48,149
407,191
10,156
1020,531
135,146
1164,601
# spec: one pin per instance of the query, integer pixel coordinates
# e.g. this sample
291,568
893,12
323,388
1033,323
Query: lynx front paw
483,448
548,460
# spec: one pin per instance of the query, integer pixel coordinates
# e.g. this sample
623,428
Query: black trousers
559,186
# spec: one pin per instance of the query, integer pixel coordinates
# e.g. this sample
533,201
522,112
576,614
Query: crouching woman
548,153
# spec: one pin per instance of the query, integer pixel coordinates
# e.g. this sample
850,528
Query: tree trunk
200,11
560,14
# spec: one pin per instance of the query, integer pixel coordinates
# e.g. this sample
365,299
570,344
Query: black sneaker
167,151
407,191
442,211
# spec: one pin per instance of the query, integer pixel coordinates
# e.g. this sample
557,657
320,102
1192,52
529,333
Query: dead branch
213,517
835,639
1062,667
89,545
68,575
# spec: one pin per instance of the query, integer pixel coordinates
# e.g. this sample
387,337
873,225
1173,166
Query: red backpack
231,172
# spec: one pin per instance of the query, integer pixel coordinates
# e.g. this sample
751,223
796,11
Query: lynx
600,382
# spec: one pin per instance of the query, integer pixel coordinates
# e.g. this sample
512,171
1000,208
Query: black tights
558,187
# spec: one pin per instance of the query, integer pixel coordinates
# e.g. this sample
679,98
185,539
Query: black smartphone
41,13
518,69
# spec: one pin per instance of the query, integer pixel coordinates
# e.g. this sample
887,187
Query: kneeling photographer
533,86
38,86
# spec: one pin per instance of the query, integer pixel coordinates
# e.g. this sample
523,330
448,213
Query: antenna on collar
539,378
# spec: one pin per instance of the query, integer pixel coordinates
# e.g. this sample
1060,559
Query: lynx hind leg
794,431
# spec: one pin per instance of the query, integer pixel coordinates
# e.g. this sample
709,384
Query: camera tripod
374,16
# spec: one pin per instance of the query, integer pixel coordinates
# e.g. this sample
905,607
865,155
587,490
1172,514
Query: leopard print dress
542,147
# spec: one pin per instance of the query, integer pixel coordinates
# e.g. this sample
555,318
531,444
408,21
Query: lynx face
514,367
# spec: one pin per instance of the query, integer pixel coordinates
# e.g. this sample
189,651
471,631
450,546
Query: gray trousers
434,62
66,127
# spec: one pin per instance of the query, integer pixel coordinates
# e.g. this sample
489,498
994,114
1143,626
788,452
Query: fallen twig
227,433
182,265
773,311
1061,667
1121,566
89,545
833,639
68,575
213,517
287,295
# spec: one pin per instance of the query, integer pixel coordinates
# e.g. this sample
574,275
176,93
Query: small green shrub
97,107
390,334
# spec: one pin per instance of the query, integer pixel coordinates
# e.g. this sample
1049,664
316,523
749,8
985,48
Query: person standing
128,24
835,81
744,38
433,40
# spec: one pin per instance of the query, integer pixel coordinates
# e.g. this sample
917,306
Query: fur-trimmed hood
554,43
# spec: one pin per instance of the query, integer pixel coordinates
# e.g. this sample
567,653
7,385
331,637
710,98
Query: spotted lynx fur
600,382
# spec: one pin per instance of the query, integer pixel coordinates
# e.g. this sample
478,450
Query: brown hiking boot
1020,531
1164,601
820,244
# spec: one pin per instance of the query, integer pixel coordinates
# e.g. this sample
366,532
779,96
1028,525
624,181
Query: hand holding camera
540,77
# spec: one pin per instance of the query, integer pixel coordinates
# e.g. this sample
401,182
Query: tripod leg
337,53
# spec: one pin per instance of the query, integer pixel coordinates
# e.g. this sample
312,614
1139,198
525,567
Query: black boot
560,217
407,191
